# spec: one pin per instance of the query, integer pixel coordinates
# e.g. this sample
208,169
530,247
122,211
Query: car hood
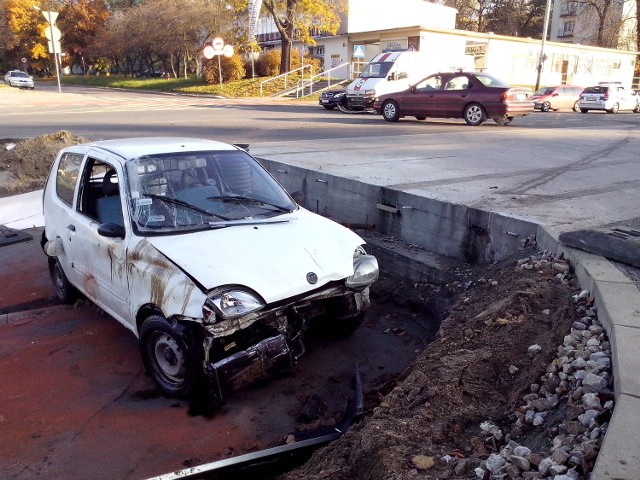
272,259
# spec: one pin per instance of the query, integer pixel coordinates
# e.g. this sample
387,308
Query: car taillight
505,95
605,96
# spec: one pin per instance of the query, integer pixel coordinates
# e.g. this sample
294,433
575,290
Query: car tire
329,107
576,107
62,288
474,114
637,109
614,108
584,110
167,357
390,111
545,107
502,121
421,118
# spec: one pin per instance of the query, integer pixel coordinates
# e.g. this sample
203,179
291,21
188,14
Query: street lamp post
51,18
543,57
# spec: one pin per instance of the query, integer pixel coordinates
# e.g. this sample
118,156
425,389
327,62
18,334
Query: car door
454,96
100,260
424,101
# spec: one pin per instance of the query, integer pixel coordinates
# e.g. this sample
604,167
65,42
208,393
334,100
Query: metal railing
309,82
285,75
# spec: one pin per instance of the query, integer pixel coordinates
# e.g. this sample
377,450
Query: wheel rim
168,357
389,110
474,113
615,108
546,107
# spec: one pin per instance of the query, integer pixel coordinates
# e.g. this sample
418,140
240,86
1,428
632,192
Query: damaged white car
196,249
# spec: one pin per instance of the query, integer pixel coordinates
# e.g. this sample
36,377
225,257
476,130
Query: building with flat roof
371,26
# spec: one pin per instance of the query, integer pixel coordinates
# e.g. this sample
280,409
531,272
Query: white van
396,71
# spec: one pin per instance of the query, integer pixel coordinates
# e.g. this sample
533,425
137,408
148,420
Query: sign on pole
254,13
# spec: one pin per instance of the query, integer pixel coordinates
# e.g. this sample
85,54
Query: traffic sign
53,31
227,51
58,48
208,52
50,16
358,51
217,43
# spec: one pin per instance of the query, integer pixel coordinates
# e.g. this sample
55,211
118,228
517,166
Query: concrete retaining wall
455,231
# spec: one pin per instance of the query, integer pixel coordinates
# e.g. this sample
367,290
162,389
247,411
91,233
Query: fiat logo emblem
312,278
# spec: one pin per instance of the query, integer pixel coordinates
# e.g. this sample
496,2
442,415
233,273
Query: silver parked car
17,78
610,97
193,246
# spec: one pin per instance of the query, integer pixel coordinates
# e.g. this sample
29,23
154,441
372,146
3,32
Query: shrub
268,64
232,69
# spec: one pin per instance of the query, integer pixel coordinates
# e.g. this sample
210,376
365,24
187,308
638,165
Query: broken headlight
365,270
231,303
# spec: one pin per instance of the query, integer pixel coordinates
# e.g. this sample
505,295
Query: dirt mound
24,164
478,369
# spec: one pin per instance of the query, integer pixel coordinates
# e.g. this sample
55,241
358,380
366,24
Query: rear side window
67,176
596,89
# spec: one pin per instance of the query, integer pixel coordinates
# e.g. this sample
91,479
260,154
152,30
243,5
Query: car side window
67,176
429,84
457,83
100,193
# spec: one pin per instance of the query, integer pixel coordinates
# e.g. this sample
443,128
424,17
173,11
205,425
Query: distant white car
195,248
17,78
610,97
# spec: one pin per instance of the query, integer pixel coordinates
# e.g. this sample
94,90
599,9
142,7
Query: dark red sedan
472,96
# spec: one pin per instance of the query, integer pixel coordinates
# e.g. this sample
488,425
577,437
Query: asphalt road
559,169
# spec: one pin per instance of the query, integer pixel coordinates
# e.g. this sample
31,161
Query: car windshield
544,91
19,74
376,70
490,81
182,192
596,89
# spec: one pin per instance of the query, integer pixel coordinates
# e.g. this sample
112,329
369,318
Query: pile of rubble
570,406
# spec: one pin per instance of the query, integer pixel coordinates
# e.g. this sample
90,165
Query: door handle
71,228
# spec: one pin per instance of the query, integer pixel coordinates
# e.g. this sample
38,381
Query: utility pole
543,57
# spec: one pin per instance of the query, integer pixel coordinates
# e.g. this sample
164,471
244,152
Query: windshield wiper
182,203
240,199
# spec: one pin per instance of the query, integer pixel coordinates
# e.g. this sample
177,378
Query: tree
297,19
605,15
79,21
518,18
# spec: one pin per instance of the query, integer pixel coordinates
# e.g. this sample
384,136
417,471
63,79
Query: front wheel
474,114
637,109
329,107
390,111
502,121
421,118
546,106
64,291
614,108
576,107
166,356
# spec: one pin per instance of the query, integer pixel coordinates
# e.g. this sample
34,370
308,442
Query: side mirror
392,76
413,88
111,230
555,94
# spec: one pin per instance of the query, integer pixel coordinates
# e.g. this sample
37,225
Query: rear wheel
614,108
584,110
421,118
546,106
502,121
167,357
329,107
64,291
390,111
474,114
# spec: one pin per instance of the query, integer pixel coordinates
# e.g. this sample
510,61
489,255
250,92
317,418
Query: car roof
130,148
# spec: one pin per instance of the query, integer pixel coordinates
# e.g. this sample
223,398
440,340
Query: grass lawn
236,89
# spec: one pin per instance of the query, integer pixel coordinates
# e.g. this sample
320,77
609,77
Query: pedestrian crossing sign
358,51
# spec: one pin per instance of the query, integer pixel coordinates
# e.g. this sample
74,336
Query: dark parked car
469,95
330,99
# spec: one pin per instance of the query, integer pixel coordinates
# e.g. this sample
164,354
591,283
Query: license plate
521,96
324,101
591,98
